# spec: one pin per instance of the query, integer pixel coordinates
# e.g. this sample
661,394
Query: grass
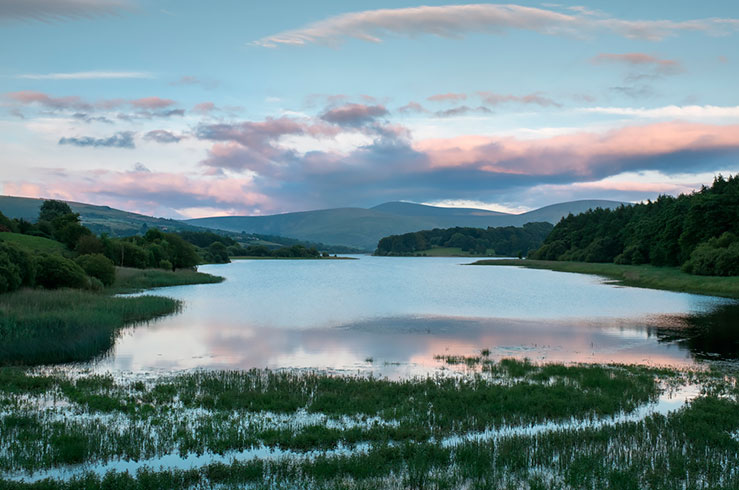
129,280
56,326
645,276
34,243
391,432
38,326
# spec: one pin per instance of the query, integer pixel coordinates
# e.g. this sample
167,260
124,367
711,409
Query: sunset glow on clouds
365,106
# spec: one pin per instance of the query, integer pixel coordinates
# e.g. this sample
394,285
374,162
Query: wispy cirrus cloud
121,139
86,75
659,65
687,112
456,21
449,97
493,99
56,10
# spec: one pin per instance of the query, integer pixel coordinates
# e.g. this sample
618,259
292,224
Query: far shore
645,276
249,257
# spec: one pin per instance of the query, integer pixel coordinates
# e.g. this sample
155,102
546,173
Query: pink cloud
663,66
491,98
204,108
28,97
578,153
152,103
450,97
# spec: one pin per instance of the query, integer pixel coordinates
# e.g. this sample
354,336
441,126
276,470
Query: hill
99,219
363,228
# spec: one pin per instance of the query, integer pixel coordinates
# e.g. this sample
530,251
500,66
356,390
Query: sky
184,109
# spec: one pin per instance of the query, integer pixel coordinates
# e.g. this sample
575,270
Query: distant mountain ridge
352,227
363,228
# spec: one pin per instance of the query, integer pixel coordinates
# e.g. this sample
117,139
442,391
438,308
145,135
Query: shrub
89,244
17,268
54,271
165,264
98,266
716,257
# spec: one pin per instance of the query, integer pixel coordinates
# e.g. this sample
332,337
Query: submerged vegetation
644,276
509,424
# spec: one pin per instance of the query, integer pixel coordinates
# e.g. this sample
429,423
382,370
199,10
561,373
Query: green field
291,429
34,243
644,276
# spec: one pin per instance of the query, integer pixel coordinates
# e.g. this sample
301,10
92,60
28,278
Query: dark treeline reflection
712,335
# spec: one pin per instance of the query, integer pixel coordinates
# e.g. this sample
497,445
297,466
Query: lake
394,315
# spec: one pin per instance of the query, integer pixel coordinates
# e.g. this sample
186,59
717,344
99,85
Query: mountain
363,228
100,219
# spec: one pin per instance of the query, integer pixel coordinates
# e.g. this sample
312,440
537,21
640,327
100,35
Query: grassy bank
644,276
68,325
129,280
354,432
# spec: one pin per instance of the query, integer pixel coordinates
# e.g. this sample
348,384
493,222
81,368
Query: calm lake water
394,315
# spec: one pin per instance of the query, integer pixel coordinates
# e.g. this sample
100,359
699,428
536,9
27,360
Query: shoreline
644,276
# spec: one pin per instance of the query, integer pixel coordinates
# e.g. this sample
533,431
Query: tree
55,271
98,266
183,255
51,209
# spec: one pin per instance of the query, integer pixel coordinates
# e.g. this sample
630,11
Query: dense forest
506,240
698,231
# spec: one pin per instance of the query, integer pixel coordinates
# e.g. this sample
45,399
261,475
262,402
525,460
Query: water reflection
393,315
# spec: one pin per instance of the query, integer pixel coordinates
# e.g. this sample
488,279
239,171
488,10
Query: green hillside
33,243
100,219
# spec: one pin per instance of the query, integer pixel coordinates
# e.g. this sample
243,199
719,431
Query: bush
17,268
98,266
165,264
89,244
54,271
716,257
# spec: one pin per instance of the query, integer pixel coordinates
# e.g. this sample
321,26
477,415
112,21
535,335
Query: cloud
27,97
456,21
450,97
122,139
86,75
152,103
354,114
691,112
149,107
491,98
204,108
660,66
55,10
191,80
583,155
412,107
463,110
162,136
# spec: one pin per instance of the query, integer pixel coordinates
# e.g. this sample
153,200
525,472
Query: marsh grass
129,280
645,276
41,326
695,447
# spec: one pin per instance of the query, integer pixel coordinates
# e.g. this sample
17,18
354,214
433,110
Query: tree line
505,240
698,231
